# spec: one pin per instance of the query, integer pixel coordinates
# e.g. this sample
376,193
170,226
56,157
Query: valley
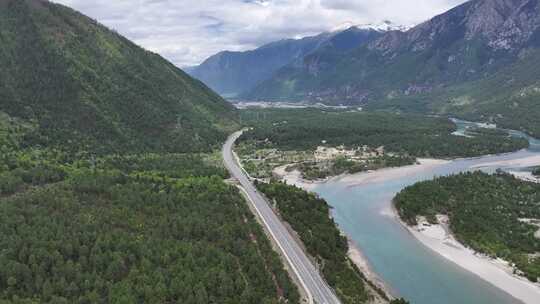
354,164
354,197
111,187
321,143
477,61
362,207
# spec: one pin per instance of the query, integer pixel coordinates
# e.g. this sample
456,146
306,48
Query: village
320,163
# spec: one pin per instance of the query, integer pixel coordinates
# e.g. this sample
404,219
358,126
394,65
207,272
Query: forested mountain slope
510,97
87,213
233,73
76,81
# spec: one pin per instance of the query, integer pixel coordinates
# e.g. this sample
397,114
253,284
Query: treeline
414,135
493,214
536,172
310,217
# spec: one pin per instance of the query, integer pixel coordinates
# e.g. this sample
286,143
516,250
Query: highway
311,280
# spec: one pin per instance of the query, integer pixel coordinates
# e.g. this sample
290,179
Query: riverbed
363,210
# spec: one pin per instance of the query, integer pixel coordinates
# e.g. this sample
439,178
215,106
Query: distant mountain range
234,73
479,60
466,43
80,86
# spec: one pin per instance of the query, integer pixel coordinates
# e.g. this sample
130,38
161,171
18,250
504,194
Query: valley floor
435,237
295,177
355,253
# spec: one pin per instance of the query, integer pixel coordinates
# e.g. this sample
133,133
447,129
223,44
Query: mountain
232,73
82,86
437,66
93,208
383,26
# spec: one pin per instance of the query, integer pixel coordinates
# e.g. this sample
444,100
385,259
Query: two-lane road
310,278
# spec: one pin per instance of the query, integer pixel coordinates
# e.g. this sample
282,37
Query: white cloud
188,31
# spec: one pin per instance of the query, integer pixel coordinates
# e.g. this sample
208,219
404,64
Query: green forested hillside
495,214
127,228
508,98
97,204
76,81
233,73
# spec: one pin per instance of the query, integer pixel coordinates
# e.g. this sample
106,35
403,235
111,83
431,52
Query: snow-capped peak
382,26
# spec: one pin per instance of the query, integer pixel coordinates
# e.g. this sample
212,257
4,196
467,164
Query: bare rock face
503,24
486,17
391,41
506,24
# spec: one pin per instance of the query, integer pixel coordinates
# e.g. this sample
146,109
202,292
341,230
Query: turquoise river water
410,269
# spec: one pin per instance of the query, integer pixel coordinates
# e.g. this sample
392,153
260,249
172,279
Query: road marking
323,292
310,297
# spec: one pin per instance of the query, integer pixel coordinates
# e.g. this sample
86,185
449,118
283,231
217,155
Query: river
410,269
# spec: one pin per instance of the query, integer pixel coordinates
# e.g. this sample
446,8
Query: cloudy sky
188,31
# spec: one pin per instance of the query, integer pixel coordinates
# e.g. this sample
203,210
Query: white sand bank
526,176
520,162
495,271
295,177
391,173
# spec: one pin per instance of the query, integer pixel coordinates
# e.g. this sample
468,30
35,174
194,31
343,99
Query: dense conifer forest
498,215
414,135
128,228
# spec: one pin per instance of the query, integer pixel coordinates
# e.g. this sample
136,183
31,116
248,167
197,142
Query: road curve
310,278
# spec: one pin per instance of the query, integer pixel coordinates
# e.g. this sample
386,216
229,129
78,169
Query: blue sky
188,31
